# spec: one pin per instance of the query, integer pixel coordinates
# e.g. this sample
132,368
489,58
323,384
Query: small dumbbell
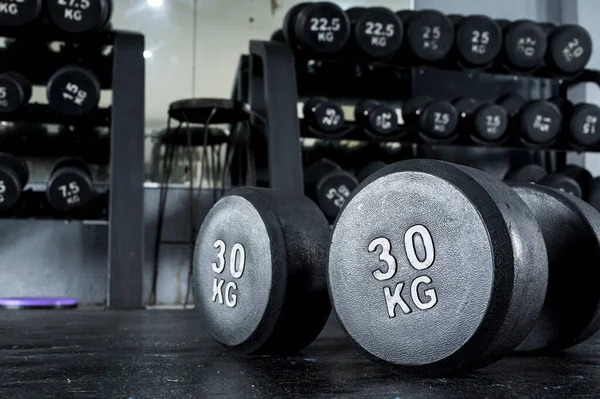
478,40
429,34
326,183
484,122
14,175
572,179
420,239
569,48
539,122
581,124
377,32
530,173
15,91
323,115
369,169
260,286
320,27
70,185
80,16
73,91
525,44
378,119
437,120
17,14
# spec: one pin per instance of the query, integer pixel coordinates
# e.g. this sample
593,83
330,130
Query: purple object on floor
38,303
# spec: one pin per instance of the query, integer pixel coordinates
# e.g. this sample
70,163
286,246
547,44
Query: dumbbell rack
273,96
122,70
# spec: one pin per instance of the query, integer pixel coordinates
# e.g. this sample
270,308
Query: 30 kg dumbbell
320,27
326,183
377,32
525,44
14,175
437,120
478,40
429,34
324,116
484,122
261,286
15,91
569,48
538,122
530,173
79,16
378,119
572,179
70,185
73,91
20,13
436,268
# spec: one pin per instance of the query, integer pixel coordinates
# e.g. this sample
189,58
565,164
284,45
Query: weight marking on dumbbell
338,195
236,270
73,93
74,8
2,190
379,34
10,7
589,126
70,192
527,46
572,51
441,121
493,122
479,42
420,253
325,28
431,35
542,123
331,118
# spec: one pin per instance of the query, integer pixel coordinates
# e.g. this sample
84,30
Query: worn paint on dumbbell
236,270
417,244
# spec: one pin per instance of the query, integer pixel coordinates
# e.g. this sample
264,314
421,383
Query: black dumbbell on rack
14,175
326,183
70,186
369,169
325,117
572,179
15,91
478,40
378,119
81,16
429,36
21,13
435,120
377,32
73,91
419,240
529,173
484,123
538,122
581,124
524,45
569,49
319,27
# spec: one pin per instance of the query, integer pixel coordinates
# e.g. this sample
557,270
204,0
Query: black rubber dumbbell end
539,123
569,50
380,120
584,125
15,91
73,91
325,116
14,175
70,185
321,27
75,19
530,173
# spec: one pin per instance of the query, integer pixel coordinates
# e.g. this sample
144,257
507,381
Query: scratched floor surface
167,354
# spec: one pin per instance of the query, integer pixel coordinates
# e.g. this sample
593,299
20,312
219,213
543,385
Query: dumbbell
485,122
70,185
379,119
581,124
369,169
437,120
429,34
328,185
323,115
278,36
478,40
15,91
594,194
16,14
73,91
525,44
572,179
539,122
569,48
435,268
530,173
377,32
320,27
14,175
79,16
279,303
